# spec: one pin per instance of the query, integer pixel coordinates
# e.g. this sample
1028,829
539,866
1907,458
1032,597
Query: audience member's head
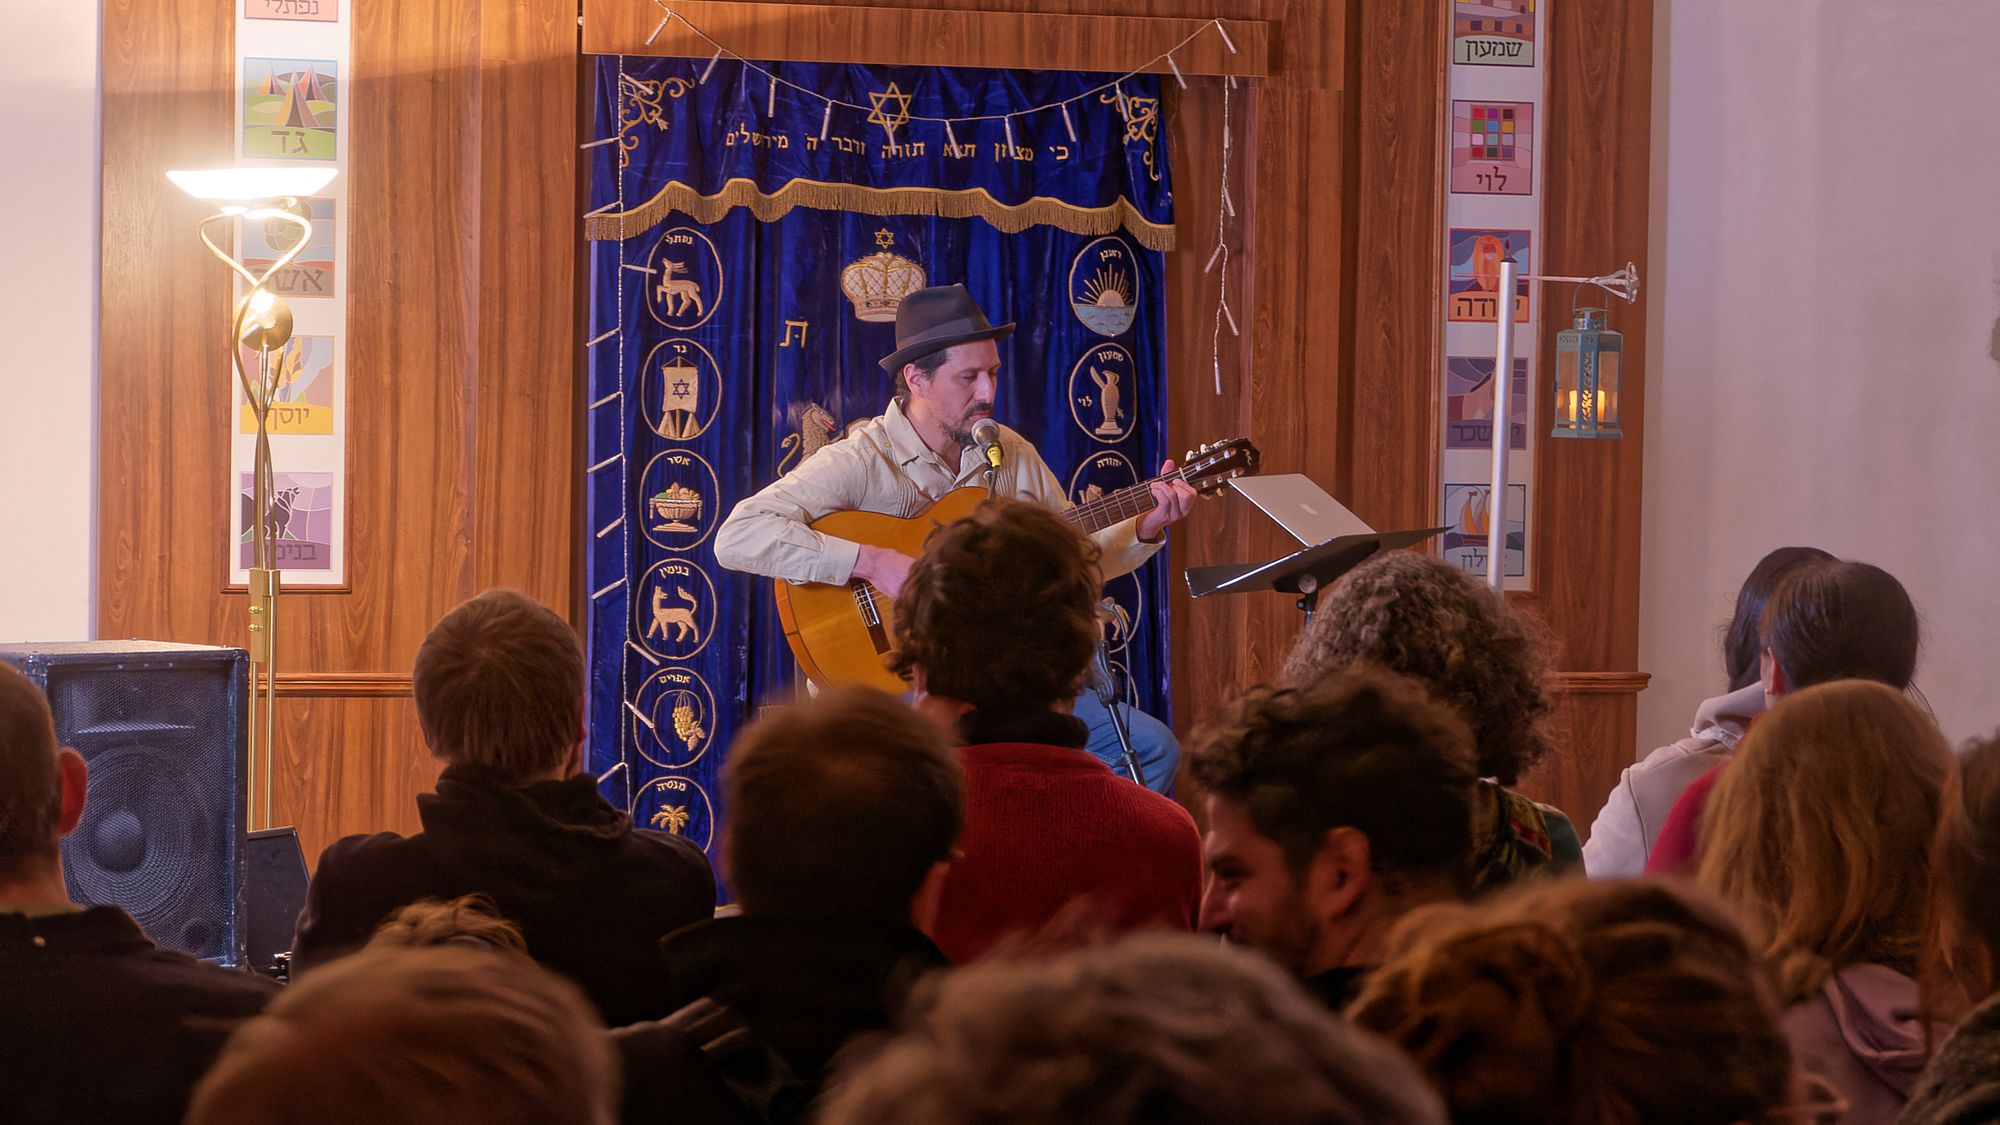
1835,620
1586,1003
884,771
1742,644
41,792
1332,809
1159,1029
1000,610
1818,832
466,920
499,684
446,1033
1421,618
1964,956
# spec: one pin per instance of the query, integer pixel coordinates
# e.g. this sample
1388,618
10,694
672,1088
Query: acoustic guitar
841,634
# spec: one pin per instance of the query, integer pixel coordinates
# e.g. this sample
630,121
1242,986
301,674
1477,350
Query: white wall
48,319
1824,292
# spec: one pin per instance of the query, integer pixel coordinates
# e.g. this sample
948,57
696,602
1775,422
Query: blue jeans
1153,741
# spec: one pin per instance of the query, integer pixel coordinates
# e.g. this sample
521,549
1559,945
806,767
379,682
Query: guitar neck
1119,506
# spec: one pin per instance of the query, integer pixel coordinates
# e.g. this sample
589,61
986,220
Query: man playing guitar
946,366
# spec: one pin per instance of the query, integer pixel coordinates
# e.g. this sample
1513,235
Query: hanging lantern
1589,361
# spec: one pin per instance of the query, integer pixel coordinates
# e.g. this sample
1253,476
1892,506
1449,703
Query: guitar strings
1135,495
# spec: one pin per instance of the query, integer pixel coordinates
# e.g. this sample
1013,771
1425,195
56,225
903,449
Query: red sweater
1677,848
1048,825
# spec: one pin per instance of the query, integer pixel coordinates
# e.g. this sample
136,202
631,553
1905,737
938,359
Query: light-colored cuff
836,560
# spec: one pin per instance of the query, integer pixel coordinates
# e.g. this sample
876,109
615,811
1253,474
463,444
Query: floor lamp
1624,285
262,322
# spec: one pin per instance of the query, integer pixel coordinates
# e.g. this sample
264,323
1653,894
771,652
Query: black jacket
99,1024
804,989
591,894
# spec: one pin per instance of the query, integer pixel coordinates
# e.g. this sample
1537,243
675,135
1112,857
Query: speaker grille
162,829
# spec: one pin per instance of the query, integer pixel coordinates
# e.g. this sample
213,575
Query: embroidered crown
879,282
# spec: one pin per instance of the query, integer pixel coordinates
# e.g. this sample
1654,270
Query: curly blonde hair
465,920
1416,616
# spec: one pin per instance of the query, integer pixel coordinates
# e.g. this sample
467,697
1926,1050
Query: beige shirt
884,466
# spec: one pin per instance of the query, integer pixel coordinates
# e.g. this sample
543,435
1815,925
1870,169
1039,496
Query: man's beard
964,436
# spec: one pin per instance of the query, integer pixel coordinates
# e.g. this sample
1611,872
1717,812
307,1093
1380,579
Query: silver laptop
1300,507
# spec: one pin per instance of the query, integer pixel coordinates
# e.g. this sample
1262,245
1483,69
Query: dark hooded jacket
592,895
802,990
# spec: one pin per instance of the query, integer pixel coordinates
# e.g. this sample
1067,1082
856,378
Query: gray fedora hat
935,318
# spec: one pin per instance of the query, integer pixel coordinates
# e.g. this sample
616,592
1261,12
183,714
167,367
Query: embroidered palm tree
673,818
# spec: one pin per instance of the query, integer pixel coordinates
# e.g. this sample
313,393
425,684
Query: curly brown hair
1001,610
1583,1002
1418,617
1358,749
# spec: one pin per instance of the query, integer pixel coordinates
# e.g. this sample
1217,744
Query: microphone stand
1105,688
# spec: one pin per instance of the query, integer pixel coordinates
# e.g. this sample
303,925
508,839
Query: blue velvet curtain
748,251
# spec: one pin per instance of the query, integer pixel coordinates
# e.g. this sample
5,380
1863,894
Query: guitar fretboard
1119,506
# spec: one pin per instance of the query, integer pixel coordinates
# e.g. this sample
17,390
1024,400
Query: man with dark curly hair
994,630
1333,810
1418,617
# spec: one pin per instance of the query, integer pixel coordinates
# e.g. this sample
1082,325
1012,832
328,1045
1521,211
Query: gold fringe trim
963,203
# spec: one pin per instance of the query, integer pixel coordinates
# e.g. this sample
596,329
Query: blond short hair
499,683
393,1036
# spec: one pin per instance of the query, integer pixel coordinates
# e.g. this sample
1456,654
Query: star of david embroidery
889,121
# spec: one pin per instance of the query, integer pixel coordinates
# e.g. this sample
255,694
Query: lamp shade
253,184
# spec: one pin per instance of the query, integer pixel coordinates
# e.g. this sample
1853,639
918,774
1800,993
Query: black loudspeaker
163,729
277,892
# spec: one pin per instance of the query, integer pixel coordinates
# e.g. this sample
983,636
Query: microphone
987,433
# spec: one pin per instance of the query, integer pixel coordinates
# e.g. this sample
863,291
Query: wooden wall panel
1282,381
1390,476
462,234
1044,39
349,764
528,382
163,367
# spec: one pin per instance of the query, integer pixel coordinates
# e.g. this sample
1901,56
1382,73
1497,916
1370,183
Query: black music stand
1309,569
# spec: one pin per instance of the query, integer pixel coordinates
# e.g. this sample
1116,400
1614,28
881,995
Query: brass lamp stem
269,330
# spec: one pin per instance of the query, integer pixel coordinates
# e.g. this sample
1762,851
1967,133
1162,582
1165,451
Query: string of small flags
1225,206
